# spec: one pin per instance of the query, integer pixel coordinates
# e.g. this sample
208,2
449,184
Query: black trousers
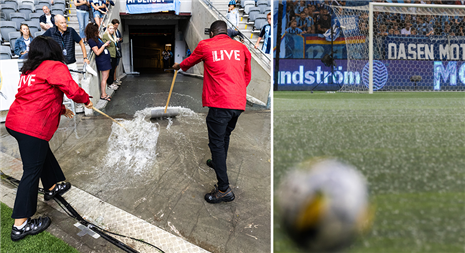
114,62
38,162
220,123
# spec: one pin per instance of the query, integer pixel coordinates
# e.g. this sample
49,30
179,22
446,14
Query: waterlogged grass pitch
409,146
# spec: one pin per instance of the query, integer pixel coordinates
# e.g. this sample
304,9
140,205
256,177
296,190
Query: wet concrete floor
163,180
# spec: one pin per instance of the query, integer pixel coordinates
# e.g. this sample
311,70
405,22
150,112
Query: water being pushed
135,148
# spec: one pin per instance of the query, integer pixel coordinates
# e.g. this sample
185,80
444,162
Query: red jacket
227,71
39,102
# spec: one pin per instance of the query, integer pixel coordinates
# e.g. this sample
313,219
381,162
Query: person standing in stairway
233,15
66,37
82,11
265,34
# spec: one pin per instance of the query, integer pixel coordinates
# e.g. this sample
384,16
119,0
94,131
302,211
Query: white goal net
415,47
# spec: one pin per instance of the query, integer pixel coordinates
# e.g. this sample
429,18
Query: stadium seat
6,27
33,26
56,11
43,2
260,21
31,2
18,18
262,6
35,16
266,10
8,8
38,33
253,13
245,3
26,9
5,53
12,2
61,6
248,5
39,7
13,37
2,16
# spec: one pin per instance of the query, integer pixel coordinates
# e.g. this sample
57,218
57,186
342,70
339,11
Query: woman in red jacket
32,120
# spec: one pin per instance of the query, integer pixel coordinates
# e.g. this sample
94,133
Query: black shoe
216,196
59,189
210,163
32,227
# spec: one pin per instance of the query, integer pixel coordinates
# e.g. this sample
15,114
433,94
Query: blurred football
324,205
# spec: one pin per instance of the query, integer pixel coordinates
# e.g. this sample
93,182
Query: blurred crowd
316,17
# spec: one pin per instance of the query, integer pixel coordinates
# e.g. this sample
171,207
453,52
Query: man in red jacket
227,72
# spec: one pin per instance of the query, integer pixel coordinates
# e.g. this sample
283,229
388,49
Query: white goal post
432,14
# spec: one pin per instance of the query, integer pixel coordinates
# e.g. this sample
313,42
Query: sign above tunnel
152,6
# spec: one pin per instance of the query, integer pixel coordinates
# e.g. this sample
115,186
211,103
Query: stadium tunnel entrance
148,35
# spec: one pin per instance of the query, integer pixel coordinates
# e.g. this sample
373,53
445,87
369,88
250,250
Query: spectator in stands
413,32
363,26
290,15
396,32
302,21
224,92
424,27
233,14
407,29
460,31
395,26
447,31
391,32
324,23
47,19
66,37
32,120
110,36
299,8
265,34
119,38
102,57
383,31
82,11
99,10
293,28
23,42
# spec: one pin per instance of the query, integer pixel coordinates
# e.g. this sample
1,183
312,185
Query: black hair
42,48
91,32
218,27
115,21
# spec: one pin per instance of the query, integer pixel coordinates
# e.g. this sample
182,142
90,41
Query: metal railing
261,56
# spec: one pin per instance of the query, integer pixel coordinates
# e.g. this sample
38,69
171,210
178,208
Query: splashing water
135,149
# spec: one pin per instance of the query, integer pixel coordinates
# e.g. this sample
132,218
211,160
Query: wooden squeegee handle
171,90
97,110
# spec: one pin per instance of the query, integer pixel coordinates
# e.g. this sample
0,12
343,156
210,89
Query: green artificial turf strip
409,145
43,242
